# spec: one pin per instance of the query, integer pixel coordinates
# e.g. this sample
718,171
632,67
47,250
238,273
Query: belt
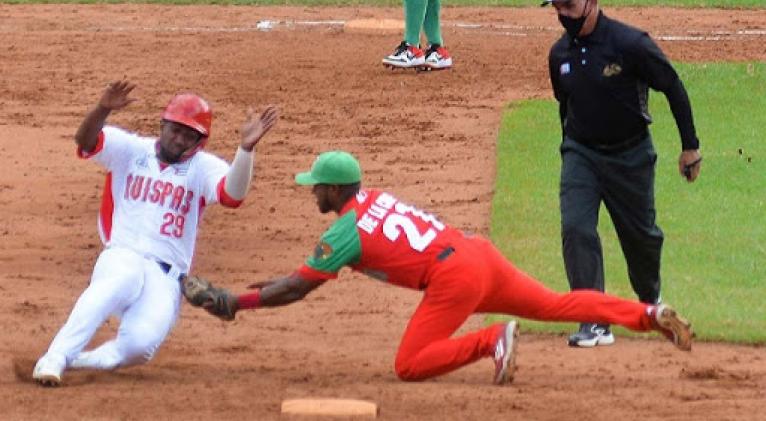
166,267
444,254
618,147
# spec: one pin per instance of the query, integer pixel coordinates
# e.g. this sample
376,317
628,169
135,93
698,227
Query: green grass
502,3
714,257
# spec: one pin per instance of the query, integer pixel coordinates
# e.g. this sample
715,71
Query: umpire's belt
617,146
166,268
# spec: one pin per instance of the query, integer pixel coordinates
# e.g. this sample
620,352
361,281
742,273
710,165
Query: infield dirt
428,137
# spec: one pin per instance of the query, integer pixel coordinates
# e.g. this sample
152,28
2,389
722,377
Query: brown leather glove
216,301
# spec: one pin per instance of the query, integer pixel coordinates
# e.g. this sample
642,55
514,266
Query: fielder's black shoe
590,335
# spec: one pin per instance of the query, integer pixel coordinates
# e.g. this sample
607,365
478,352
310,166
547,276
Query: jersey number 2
418,241
173,225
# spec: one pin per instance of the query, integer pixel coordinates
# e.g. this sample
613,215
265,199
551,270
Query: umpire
601,70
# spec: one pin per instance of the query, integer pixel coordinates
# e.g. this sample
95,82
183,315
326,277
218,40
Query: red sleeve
100,145
224,198
313,275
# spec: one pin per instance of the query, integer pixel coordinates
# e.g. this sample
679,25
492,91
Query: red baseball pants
476,278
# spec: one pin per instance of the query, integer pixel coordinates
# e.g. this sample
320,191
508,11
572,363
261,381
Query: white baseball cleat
437,58
505,353
405,56
49,369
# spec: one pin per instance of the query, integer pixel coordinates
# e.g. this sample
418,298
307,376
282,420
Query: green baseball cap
334,167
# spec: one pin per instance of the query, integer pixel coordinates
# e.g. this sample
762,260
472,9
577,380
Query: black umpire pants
624,181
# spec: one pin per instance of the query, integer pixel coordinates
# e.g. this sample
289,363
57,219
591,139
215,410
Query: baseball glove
217,301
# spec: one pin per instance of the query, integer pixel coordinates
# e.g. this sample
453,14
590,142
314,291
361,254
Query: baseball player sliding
155,192
460,274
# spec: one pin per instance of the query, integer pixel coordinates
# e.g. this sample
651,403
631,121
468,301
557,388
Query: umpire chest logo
612,69
565,68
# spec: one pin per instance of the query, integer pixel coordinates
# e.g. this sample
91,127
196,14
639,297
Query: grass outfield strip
714,256
500,3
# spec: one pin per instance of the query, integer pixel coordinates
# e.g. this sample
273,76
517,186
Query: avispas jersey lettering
150,207
379,235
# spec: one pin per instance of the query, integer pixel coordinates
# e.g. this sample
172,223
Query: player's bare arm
115,97
224,305
286,290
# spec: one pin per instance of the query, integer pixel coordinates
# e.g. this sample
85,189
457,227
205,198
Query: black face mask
573,26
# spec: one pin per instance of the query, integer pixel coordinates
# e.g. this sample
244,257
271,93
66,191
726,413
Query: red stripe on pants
476,278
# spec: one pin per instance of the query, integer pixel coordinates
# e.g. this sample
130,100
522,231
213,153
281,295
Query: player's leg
437,57
517,293
143,327
629,197
426,348
408,54
514,292
580,199
115,282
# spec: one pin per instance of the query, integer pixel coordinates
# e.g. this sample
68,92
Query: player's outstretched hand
219,302
254,128
115,95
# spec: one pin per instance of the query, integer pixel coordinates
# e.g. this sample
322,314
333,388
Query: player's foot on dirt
437,58
505,353
405,56
49,369
668,322
590,335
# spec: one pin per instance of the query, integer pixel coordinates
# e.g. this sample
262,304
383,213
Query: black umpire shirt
601,82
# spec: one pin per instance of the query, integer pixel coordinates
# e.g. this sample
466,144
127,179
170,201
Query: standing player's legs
432,24
408,54
437,57
580,198
144,324
629,197
116,281
456,288
414,14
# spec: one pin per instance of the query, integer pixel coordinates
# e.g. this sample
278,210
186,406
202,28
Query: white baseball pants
133,288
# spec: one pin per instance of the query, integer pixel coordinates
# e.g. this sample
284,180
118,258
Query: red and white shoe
405,56
668,322
437,58
505,353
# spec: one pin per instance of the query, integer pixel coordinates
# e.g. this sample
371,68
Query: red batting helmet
191,111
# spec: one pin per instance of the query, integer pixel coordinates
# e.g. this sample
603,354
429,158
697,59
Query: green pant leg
414,13
432,23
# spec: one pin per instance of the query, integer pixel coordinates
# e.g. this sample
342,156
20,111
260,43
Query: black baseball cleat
590,335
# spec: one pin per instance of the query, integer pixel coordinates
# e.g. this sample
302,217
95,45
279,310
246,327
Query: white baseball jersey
149,207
